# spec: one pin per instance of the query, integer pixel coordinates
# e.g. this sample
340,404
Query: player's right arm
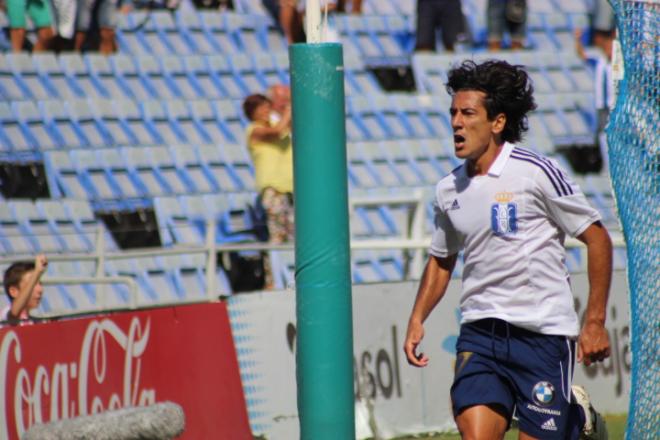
432,288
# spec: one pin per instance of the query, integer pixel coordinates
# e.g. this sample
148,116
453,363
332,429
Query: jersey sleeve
566,204
445,239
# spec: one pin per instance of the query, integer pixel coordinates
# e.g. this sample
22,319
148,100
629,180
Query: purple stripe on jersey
566,187
540,165
556,171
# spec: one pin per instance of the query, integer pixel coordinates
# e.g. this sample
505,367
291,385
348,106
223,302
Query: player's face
473,132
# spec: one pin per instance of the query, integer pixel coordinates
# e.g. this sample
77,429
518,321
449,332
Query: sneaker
594,426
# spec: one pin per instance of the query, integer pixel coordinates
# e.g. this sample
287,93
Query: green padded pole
324,356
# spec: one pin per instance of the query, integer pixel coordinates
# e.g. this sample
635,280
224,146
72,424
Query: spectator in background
291,21
433,14
272,154
292,18
41,16
356,6
604,94
506,15
92,14
280,98
22,282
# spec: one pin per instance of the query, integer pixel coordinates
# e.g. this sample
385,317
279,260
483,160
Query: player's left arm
594,343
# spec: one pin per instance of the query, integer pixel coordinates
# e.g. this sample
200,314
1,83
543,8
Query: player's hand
414,336
593,343
40,264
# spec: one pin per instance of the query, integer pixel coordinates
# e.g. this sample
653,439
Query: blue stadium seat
103,79
197,172
376,38
34,134
63,180
146,171
380,163
73,222
357,78
12,236
179,79
361,172
95,175
219,66
230,115
89,123
187,125
166,129
174,224
31,80
407,158
131,119
59,84
268,70
152,75
81,72
56,116
231,172
223,39
209,83
135,83
12,87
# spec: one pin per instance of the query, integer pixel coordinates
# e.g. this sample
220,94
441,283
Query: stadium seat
34,134
231,171
133,80
28,78
59,84
12,87
91,79
197,173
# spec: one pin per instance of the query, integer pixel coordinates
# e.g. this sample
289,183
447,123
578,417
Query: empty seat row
71,76
550,72
189,32
52,226
129,172
42,125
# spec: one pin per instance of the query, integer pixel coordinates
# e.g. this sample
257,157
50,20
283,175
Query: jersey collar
497,167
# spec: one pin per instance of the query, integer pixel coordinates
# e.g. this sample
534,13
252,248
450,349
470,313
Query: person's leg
290,21
17,38
16,10
451,23
83,22
482,399
107,21
540,367
495,23
45,37
40,14
487,422
426,21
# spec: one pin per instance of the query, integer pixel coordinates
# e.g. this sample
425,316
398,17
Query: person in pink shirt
22,282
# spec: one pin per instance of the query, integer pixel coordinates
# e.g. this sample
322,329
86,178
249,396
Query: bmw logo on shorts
543,393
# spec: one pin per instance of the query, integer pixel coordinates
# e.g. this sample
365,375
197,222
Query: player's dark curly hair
508,90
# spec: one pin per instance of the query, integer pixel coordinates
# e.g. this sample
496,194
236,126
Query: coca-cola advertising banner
185,354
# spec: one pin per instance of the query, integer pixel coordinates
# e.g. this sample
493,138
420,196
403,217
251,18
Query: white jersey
511,224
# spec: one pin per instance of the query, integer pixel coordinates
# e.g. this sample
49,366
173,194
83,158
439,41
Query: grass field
616,427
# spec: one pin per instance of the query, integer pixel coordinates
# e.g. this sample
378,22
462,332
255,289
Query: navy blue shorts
517,369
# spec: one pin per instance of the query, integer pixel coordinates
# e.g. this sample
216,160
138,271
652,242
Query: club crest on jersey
543,393
503,214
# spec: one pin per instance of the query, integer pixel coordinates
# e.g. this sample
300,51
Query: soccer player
509,209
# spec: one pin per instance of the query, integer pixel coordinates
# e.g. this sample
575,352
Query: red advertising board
184,354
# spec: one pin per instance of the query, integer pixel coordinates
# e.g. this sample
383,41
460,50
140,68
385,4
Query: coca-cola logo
105,375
